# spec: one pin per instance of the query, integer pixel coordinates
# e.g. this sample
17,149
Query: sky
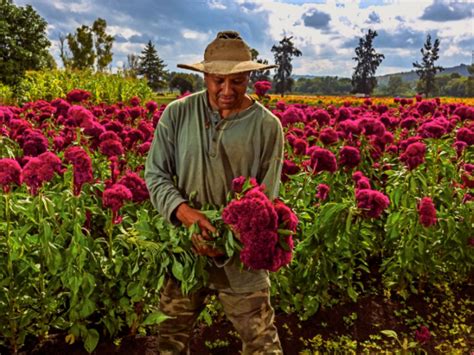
326,32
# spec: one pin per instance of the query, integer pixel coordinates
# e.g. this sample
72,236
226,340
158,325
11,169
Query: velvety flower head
78,116
109,135
262,87
350,127
299,146
114,126
363,183
10,173
253,212
321,116
82,167
323,160
289,168
111,147
114,198
239,182
323,192
371,127
259,249
343,114
77,95
422,335
466,135
292,115
135,112
151,106
357,175
426,106
349,157
136,185
328,136
34,143
280,105
427,212
414,155
95,129
371,202
143,148
286,217
41,169
432,129
135,101
409,122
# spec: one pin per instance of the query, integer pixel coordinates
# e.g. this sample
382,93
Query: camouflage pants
251,314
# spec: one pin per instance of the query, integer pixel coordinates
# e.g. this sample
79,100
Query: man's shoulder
267,116
187,101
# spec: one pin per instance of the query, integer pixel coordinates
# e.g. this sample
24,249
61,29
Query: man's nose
227,88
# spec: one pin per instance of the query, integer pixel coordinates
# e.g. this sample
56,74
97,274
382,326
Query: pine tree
427,70
283,56
363,79
152,67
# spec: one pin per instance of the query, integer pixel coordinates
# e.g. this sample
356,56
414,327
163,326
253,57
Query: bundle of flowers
264,228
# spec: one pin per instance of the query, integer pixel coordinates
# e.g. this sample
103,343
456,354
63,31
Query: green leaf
177,270
390,333
88,307
92,339
155,318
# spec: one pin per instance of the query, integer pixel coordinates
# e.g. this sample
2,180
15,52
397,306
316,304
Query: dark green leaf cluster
23,42
427,69
284,53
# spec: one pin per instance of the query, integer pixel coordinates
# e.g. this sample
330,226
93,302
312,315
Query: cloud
317,19
400,38
441,11
373,18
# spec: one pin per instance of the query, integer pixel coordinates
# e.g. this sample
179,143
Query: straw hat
227,54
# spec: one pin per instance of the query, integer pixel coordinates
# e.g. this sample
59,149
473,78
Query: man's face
226,92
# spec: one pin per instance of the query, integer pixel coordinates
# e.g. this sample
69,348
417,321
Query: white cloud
123,31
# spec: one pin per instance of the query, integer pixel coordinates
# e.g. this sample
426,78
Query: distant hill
409,76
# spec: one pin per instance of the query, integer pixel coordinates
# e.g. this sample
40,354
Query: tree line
24,46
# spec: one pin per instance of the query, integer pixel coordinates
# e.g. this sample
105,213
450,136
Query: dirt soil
374,313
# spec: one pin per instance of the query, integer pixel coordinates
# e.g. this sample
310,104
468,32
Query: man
201,143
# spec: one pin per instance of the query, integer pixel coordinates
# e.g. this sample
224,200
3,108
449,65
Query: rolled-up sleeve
160,169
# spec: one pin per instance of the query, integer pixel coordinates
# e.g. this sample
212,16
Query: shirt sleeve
160,169
272,158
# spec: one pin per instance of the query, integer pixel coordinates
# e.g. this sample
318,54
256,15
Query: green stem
43,244
109,231
11,296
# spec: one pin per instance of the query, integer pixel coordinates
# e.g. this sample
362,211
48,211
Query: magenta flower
114,198
77,95
371,202
151,106
41,169
135,101
289,168
349,157
414,155
422,335
427,212
328,136
321,116
262,87
466,135
33,143
111,148
323,192
82,167
323,160
299,146
286,217
10,173
136,185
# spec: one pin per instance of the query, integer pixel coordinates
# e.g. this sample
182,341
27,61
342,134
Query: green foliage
152,67
427,70
24,43
323,86
258,75
185,82
90,47
363,79
283,57
395,87
104,87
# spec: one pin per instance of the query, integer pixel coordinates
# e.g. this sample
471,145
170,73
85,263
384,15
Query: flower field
378,185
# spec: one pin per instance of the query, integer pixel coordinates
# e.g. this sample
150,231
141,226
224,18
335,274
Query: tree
283,56
368,60
185,82
470,81
132,66
23,42
90,47
427,70
258,75
152,67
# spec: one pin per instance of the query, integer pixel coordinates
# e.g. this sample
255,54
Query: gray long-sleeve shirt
194,151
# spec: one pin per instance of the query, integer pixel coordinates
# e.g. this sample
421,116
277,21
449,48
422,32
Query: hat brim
226,67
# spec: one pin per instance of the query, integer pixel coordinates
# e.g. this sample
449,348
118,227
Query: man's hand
189,216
